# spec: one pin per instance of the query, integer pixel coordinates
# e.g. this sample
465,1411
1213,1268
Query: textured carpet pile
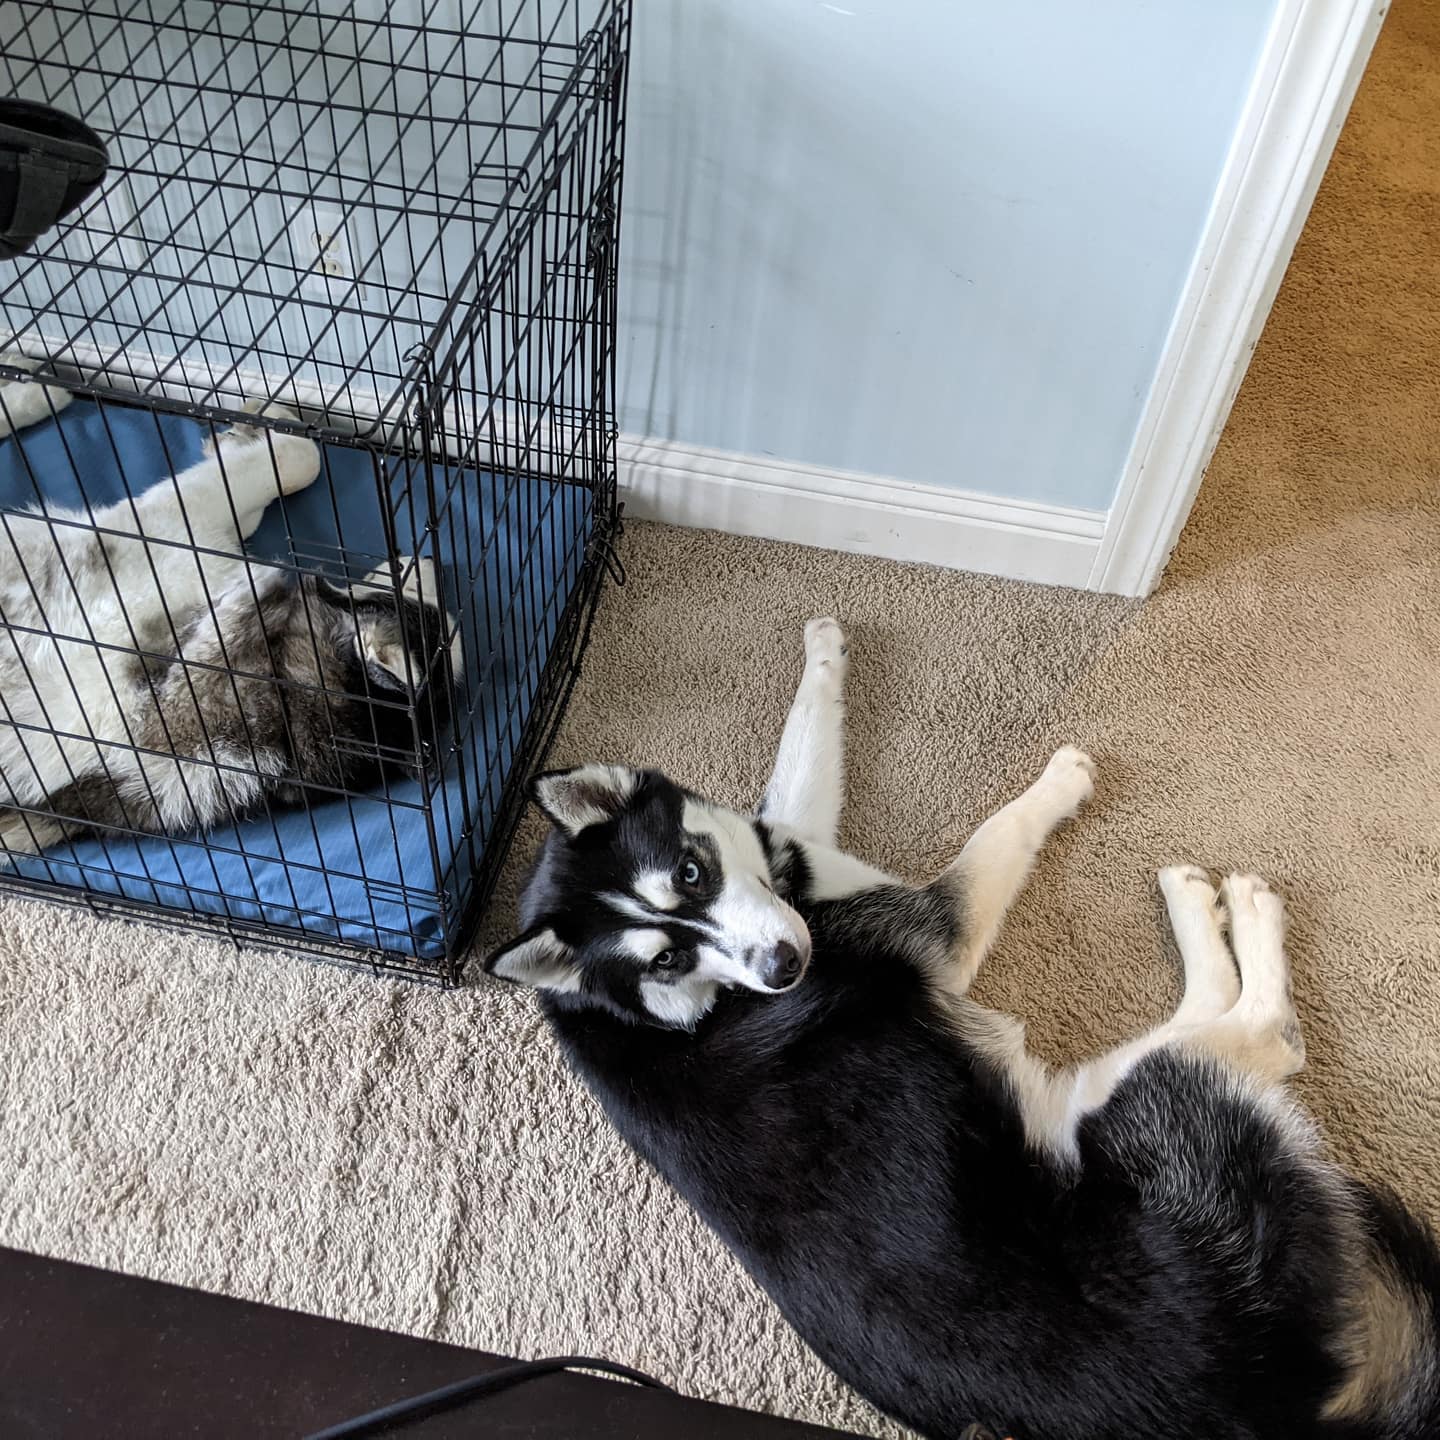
421,1161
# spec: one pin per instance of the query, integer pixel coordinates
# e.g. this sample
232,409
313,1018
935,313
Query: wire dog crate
386,229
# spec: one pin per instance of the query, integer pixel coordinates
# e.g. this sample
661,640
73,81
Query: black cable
490,1383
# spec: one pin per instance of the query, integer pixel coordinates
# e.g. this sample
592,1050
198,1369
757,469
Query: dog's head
391,645
647,900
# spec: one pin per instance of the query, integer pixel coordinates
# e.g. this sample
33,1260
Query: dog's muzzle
782,966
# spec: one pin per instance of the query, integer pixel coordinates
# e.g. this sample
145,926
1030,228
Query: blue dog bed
361,870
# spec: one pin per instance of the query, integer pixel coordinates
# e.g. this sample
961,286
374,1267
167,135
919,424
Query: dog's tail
1392,1391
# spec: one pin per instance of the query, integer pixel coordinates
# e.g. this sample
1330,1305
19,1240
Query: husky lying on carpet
286,683
1150,1244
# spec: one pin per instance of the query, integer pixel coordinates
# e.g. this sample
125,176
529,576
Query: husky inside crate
154,679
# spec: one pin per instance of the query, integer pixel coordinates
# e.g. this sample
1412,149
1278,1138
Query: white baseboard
688,485
1304,82
863,514
1301,92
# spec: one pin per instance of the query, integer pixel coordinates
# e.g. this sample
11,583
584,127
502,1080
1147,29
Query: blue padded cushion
361,869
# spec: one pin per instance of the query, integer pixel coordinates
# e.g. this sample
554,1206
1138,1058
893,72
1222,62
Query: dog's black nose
782,966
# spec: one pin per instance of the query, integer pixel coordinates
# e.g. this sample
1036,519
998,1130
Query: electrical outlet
320,243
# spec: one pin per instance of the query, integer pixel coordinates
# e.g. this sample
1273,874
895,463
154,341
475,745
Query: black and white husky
153,679
1149,1244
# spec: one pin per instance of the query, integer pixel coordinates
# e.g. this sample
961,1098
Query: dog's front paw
1069,779
826,649
242,434
1188,889
1187,882
27,403
271,410
297,462
16,361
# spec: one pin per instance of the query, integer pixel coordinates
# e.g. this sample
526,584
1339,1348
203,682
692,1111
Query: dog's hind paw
1182,883
1250,900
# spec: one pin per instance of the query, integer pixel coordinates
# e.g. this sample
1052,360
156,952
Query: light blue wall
936,240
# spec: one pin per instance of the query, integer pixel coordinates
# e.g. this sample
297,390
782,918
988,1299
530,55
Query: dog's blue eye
690,874
667,960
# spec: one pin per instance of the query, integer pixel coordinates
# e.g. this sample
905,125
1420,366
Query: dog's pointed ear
589,795
539,958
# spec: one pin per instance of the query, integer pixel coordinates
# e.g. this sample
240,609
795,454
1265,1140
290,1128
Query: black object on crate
50,162
393,235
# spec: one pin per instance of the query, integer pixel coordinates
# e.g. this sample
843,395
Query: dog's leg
807,786
1212,983
24,402
970,899
219,502
832,874
806,790
1258,1030
241,434
990,871
1247,1021
90,799
214,506
1264,1017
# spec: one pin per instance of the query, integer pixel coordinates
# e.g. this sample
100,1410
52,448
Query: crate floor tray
390,871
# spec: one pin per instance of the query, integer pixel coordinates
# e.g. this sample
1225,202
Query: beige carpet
421,1161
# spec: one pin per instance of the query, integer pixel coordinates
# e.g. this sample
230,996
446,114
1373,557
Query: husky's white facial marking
628,906
656,889
681,1005
747,920
646,945
714,922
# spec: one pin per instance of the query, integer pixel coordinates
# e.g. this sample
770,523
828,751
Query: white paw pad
825,645
297,461
1250,900
27,403
243,434
271,410
1070,779
1187,884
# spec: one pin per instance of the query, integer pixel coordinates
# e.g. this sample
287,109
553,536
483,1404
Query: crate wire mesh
399,219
